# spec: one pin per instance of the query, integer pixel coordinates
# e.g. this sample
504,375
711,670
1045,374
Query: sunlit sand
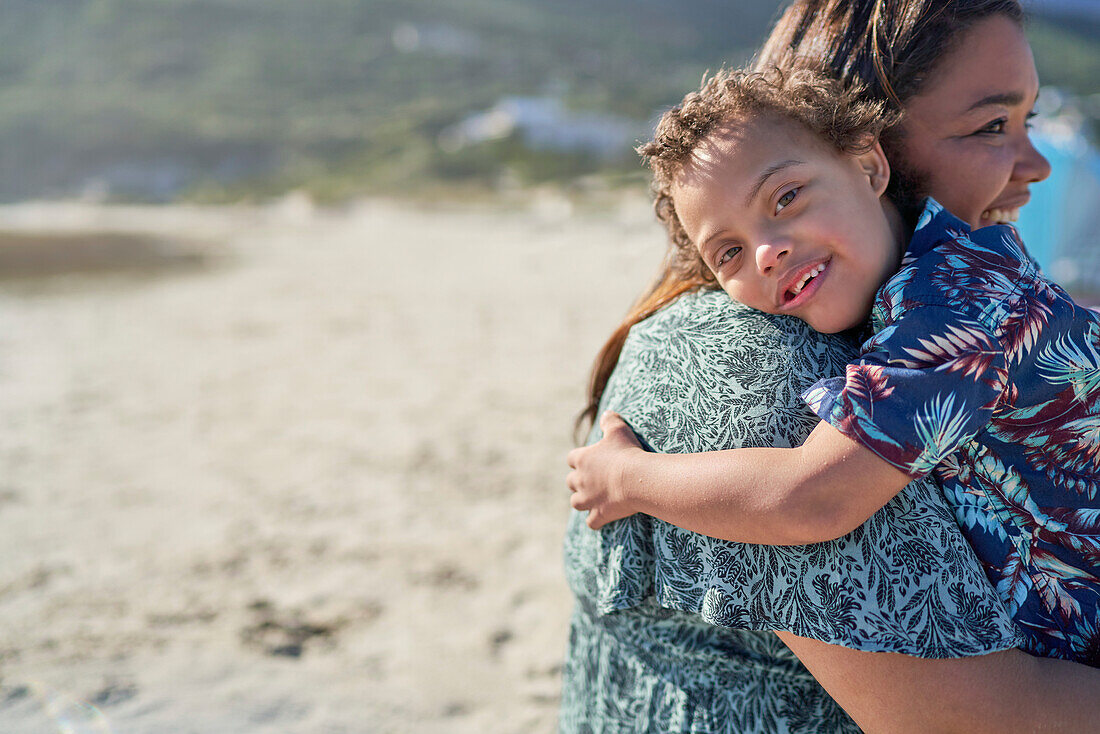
284,470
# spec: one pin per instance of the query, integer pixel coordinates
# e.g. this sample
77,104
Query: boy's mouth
802,284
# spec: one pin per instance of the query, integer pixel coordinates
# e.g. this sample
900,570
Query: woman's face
965,136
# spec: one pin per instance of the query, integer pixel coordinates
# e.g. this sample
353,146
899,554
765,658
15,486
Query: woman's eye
728,254
997,127
785,199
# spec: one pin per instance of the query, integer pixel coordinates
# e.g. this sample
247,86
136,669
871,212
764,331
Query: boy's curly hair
838,116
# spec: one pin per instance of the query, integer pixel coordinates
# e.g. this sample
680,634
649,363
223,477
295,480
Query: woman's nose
1031,165
770,255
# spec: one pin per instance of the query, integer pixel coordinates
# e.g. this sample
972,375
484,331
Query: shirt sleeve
707,374
922,387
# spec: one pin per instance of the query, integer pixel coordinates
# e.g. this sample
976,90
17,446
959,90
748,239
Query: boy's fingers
610,420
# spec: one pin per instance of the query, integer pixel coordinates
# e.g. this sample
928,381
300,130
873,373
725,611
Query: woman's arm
1007,691
819,491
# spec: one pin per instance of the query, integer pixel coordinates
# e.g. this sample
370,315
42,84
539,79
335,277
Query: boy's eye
785,199
1030,116
727,254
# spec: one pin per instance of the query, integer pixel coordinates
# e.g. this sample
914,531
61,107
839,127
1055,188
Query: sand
282,469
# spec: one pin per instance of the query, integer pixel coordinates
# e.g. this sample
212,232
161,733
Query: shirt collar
934,225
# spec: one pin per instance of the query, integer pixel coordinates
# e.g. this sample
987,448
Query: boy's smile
788,224
800,283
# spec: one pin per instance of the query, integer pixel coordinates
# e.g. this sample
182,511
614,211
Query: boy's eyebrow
765,174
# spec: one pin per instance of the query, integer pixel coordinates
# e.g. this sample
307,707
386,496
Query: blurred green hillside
230,99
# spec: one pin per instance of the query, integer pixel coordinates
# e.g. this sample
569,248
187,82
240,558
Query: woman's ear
876,167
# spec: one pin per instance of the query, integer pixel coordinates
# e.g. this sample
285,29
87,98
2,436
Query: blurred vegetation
221,100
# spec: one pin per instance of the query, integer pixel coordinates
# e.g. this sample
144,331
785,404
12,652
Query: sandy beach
286,469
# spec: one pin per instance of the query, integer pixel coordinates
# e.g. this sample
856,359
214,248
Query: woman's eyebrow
765,174
1006,99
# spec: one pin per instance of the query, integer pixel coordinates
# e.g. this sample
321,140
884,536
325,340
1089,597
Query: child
979,369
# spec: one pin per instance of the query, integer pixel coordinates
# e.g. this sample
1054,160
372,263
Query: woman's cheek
976,177
990,176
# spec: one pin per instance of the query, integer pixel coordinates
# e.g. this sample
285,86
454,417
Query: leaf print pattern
967,266
869,384
890,303
932,210
940,428
671,630
1054,579
1086,520
1067,361
1025,324
1058,440
893,399
964,347
989,377
1014,583
1085,635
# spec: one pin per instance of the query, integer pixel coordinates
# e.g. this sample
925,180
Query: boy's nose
770,255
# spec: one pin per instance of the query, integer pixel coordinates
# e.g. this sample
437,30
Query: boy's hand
598,478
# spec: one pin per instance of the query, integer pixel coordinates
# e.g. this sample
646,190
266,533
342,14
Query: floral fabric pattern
985,373
671,630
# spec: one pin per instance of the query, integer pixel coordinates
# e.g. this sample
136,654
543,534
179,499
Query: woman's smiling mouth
1004,213
1001,216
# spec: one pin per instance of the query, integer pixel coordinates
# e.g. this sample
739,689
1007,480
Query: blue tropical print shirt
986,374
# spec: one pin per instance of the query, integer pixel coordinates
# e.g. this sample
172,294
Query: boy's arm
819,491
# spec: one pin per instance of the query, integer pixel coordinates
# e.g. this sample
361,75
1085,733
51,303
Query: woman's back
670,628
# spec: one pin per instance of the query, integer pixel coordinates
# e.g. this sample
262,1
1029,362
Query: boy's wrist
630,479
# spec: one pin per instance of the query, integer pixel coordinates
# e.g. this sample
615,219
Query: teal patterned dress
671,630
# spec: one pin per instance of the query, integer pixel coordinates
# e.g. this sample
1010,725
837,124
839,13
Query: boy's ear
874,164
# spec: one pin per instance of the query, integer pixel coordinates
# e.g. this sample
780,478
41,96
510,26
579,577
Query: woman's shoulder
712,313
709,325
706,368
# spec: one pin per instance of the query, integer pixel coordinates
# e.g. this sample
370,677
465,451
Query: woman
672,630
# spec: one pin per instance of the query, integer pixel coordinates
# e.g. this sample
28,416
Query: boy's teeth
1002,216
806,278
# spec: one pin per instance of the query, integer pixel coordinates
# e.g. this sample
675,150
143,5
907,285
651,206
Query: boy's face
787,224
